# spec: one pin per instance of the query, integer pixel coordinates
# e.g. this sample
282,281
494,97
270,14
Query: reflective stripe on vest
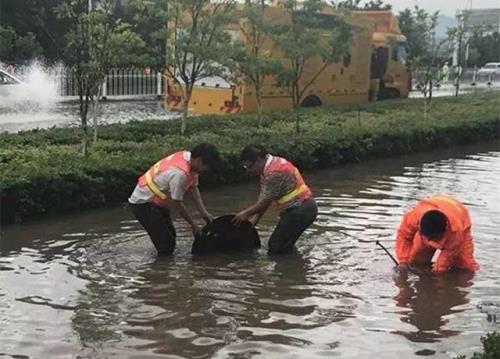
292,195
153,187
176,160
302,190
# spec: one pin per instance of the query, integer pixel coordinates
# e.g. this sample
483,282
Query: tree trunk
95,105
185,107
84,107
85,149
258,96
297,120
425,109
296,106
185,112
83,116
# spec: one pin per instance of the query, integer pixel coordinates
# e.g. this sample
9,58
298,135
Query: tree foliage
253,62
18,49
424,50
95,42
304,38
38,27
198,44
357,5
149,20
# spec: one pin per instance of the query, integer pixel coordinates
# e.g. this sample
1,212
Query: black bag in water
222,236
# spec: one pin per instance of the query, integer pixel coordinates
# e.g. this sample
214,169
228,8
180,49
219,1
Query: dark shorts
293,222
157,222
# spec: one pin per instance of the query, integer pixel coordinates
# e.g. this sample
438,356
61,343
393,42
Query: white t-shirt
174,181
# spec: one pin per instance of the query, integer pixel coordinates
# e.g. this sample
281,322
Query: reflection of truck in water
374,68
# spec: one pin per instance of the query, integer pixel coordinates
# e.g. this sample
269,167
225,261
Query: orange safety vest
301,192
177,160
457,238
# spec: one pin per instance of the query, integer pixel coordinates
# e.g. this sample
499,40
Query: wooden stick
388,253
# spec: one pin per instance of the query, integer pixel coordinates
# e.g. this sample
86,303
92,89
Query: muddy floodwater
89,285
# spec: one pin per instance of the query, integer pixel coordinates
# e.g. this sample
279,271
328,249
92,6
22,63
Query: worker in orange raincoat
437,223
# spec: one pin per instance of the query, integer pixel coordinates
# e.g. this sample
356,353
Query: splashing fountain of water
37,102
35,99
39,89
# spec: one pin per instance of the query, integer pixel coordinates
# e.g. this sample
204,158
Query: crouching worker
163,186
440,222
282,183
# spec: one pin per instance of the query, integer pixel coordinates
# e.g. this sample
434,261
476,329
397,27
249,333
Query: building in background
484,17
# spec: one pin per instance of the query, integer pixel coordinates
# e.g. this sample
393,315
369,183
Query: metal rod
388,253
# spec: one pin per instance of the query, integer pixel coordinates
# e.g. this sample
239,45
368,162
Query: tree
95,41
356,5
416,27
198,45
305,37
149,20
485,45
253,62
16,48
419,27
36,17
457,36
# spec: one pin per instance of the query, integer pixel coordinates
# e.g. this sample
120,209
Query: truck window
380,58
398,53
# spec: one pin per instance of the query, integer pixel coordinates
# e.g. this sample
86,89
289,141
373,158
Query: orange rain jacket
457,248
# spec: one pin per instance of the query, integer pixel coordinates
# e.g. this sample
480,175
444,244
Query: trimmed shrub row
42,171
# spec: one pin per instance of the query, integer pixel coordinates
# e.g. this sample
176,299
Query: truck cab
389,74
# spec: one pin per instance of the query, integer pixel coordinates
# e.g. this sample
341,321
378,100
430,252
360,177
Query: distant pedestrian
10,69
445,73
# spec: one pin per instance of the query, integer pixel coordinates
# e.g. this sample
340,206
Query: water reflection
429,300
93,277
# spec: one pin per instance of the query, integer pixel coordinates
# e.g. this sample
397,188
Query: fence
120,83
470,76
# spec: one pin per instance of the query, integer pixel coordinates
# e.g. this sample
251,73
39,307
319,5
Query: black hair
208,154
433,224
252,153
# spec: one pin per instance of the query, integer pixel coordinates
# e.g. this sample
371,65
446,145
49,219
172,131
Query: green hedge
42,171
491,347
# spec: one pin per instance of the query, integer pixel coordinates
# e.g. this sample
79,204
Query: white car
491,68
38,91
8,83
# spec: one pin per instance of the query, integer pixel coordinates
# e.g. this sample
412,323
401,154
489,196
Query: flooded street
24,116
89,285
65,113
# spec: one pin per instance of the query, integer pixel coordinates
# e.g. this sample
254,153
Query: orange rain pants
457,247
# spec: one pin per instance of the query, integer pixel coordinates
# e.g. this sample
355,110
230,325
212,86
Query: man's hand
208,217
436,270
240,218
403,267
196,230
254,220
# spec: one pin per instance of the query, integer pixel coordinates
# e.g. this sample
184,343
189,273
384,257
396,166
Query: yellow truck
367,73
390,77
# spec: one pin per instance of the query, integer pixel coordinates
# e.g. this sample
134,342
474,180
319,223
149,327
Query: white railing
120,83
470,76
